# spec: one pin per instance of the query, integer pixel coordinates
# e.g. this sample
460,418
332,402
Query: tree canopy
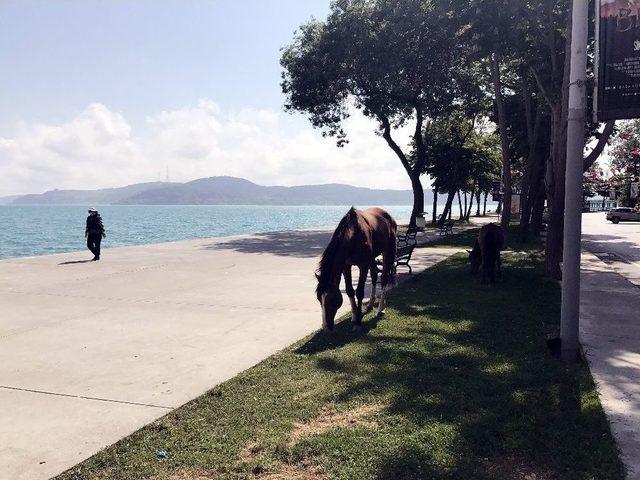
397,61
435,67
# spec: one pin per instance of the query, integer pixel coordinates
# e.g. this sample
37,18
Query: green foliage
625,151
461,154
386,58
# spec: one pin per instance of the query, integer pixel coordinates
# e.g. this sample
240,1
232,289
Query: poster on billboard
617,93
515,204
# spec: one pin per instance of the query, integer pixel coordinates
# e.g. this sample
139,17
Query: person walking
94,233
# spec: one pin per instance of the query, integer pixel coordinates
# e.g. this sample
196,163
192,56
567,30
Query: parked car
623,214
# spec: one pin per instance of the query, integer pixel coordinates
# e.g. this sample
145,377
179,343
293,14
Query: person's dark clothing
95,233
94,225
93,244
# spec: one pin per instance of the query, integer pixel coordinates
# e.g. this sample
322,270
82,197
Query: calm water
45,229
27,230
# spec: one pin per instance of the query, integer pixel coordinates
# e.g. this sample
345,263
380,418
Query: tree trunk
528,181
447,206
465,206
504,143
418,199
460,206
537,211
413,171
538,197
484,208
553,252
478,195
467,215
434,214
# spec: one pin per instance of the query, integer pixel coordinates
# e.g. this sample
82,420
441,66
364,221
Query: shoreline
323,229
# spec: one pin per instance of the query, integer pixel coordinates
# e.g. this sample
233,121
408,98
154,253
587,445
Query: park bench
445,228
405,244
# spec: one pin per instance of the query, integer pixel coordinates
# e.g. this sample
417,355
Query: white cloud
98,148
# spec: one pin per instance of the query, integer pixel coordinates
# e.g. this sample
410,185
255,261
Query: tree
449,160
463,157
625,149
625,160
528,39
396,61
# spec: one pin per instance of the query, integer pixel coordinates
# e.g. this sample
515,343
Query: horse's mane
323,274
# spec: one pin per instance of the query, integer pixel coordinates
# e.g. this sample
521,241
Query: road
610,326
617,245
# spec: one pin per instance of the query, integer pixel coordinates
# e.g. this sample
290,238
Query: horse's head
330,299
475,258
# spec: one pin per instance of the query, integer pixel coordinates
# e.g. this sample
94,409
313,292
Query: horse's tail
391,252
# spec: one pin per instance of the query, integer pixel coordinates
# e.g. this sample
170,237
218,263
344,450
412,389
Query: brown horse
359,238
486,252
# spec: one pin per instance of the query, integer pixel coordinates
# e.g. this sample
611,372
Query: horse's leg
348,286
499,263
362,280
388,265
374,281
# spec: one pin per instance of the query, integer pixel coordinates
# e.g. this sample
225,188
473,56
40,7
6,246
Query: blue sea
28,230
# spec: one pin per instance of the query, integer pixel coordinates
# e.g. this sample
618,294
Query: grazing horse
486,252
359,238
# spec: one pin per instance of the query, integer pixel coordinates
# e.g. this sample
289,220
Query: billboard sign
515,204
617,93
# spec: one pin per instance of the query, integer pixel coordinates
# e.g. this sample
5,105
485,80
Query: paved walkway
610,326
92,351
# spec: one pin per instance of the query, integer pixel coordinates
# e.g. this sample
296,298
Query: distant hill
102,196
9,199
223,191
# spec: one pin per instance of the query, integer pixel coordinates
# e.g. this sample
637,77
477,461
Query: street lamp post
570,310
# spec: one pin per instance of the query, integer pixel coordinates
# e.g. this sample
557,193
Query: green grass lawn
455,382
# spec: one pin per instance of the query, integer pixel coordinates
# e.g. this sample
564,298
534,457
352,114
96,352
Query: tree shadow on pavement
303,243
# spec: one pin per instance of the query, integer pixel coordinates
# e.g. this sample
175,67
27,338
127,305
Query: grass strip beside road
454,382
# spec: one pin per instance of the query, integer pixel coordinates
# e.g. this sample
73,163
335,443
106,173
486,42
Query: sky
97,93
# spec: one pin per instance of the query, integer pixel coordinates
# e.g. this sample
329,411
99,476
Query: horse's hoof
369,308
380,314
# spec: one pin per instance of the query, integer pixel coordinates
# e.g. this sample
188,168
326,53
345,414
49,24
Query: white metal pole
570,313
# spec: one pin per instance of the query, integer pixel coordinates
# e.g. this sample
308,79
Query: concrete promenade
610,326
92,351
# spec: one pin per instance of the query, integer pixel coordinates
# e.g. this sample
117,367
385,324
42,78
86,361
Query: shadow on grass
465,372
342,335
467,239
